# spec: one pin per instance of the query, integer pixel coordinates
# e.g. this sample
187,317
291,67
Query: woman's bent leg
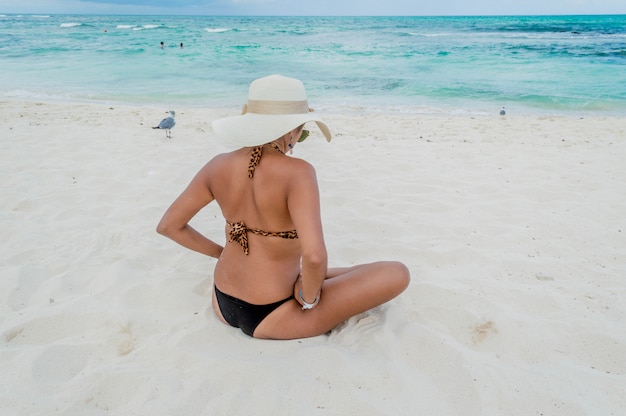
346,294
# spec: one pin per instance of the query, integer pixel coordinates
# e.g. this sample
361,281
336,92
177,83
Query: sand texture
513,228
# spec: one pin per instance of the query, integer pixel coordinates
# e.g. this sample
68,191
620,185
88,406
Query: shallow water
571,64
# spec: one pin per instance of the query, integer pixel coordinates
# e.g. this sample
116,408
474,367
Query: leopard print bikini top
238,230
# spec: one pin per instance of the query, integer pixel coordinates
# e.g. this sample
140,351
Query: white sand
514,230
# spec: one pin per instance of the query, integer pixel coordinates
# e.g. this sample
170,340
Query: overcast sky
317,7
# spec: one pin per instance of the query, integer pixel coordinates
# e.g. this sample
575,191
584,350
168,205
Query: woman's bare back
269,270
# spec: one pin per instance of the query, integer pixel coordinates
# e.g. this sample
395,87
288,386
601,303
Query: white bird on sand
167,124
502,112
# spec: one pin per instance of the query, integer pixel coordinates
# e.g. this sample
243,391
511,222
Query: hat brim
252,129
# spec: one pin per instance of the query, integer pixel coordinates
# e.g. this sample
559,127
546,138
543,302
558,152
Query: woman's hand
297,293
297,287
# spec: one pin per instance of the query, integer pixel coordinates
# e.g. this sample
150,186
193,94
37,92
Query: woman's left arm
304,207
175,221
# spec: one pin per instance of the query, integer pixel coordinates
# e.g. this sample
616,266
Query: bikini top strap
255,158
291,234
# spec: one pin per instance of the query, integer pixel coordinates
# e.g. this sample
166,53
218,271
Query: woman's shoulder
304,166
222,160
226,155
301,174
216,166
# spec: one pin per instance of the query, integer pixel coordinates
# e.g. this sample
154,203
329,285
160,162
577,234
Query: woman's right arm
175,221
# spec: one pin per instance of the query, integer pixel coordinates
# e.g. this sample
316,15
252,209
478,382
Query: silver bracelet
306,305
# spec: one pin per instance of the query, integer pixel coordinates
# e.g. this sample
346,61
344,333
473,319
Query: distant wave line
427,35
217,30
148,27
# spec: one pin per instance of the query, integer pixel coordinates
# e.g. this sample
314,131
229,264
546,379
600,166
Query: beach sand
513,228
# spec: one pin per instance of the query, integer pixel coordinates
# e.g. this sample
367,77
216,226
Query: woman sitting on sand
271,279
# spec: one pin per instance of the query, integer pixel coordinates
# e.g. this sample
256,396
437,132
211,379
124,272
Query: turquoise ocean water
545,64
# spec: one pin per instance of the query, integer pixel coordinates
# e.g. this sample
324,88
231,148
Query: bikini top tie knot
239,234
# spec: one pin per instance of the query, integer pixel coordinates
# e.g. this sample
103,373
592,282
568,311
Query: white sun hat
276,105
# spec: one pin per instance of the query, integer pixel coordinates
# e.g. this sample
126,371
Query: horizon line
308,15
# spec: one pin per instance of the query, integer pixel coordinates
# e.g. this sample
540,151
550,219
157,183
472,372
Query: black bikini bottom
244,315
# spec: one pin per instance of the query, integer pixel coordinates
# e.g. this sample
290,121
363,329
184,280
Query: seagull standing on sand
502,112
167,124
